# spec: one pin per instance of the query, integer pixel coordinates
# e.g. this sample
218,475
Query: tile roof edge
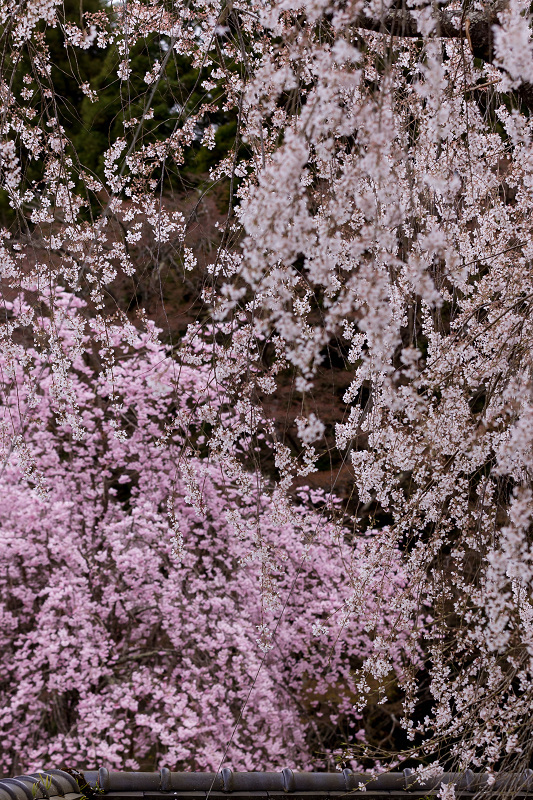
48,784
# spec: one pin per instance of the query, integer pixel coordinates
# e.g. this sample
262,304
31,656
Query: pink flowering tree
115,650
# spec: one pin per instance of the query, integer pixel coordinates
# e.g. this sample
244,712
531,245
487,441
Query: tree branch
477,27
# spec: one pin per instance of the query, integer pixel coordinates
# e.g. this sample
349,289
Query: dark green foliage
55,96
178,95
92,126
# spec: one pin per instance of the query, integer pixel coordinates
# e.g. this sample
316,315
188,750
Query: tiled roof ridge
49,784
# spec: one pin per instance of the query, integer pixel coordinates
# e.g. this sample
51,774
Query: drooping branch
475,26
